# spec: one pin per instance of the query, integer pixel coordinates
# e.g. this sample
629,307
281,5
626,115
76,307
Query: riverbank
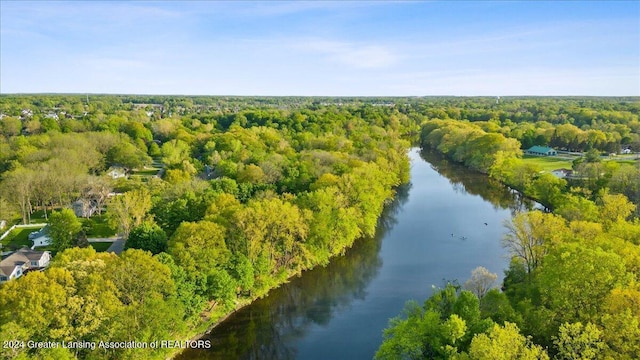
207,326
220,316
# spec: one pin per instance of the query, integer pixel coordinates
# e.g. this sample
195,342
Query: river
439,227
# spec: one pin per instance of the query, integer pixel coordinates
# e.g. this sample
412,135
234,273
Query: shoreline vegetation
213,323
571,289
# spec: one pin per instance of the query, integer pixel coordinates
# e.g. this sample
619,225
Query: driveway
117,246
109,239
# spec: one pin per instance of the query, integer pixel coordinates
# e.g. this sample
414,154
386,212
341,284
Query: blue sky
321,47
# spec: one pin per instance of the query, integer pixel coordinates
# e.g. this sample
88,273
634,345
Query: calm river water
441,226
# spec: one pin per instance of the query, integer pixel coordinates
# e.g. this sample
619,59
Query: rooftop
540,149
18,258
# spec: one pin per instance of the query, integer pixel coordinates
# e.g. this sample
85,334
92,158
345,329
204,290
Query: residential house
562,173
626,151
84,207
52,115
117,172
40,237
21,261
541,151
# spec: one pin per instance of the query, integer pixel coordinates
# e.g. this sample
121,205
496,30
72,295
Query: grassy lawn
38,217
98,226
147,171
548,163
18,237
143,178
625,161
100,246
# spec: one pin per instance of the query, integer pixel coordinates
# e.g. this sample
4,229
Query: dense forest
224,198
571,291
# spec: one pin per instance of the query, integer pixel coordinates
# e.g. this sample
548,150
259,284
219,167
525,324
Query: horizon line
305,96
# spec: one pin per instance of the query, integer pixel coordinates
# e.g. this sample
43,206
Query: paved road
117,243
109,239
116,247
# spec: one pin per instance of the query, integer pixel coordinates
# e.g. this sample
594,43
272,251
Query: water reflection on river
434,230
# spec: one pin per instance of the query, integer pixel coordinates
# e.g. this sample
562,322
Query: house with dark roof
541,151
84,207
21,261
41,237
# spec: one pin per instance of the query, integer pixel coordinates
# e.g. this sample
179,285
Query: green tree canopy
147,236
505,343
63,228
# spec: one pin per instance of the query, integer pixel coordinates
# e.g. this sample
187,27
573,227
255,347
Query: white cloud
284,8
362,56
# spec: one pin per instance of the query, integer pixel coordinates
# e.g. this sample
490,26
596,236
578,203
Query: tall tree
614,207
148,236
129,209
128,155
96,190
530,236
18,188
505,343
274,230
64,226
199,247
577,341
481,281
575,280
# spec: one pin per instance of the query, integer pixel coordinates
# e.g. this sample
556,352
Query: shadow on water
469,182
269,328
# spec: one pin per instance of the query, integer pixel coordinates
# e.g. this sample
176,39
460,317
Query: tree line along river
444,223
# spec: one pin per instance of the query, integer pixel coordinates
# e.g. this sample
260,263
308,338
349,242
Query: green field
38,216
98,226
18,238
100,246
147,171
626,162
548,163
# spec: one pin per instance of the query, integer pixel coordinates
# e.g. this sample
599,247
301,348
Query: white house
562,173
626,151
40,237
117,172
16,264
52,115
